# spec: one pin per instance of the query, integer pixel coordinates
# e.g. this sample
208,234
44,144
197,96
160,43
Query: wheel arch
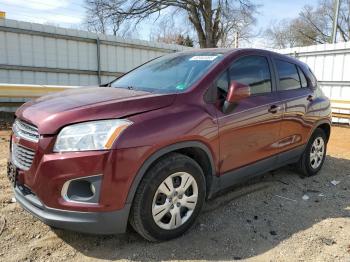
325,125
193,149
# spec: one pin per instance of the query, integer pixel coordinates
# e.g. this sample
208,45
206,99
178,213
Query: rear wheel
314,155
169,198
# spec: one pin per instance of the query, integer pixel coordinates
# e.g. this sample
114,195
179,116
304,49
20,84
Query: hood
51,112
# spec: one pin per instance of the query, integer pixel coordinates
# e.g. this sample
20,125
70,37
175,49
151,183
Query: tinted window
253,71
302,78
289,77
313,78
222,82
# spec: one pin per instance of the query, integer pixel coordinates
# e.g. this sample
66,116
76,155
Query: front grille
22,157
26,131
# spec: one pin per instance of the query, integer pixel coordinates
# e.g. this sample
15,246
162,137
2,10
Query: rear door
296,93
249,132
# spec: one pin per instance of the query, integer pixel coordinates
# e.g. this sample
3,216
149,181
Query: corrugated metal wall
41,54
331,65
46,55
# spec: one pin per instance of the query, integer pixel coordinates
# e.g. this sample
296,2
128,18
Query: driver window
222,84
253,71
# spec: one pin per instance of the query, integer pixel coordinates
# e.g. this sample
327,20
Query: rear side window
302,78
253,71
288,74
313,78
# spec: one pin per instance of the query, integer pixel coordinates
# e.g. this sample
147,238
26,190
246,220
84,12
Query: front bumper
112,222
49,172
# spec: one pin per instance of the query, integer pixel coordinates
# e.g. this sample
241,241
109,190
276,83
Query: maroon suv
151,147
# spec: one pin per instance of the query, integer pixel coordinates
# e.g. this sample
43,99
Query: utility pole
335,21
236,39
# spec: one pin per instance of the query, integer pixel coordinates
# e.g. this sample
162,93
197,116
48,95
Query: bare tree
237,21
177,39
344,20
312,26
98,20
315,24
280,34
290,33
211,19
166,31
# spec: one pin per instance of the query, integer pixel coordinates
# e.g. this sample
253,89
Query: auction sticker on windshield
203,58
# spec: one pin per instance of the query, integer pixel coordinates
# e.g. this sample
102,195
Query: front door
250,131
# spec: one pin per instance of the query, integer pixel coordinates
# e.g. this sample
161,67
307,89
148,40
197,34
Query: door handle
310,98
274,109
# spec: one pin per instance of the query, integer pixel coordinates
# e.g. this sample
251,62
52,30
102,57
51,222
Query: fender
161,152
317,124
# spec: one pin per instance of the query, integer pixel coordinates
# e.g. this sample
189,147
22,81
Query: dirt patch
265,220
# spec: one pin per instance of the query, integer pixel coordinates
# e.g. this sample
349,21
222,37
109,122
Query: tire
312,160
153,195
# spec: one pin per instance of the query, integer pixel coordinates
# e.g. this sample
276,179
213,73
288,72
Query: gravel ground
265,220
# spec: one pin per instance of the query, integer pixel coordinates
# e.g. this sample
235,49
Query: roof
228,51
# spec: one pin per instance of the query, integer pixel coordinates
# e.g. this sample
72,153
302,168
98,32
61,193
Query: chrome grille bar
26,131
22,157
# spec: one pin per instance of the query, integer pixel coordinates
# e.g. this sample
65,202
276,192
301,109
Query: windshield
169,74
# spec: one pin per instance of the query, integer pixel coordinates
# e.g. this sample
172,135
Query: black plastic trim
243,174
318,124
68,191
142,171
113,222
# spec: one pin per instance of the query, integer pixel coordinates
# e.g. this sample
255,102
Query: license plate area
12,173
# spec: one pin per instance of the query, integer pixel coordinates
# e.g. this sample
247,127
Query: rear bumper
112,222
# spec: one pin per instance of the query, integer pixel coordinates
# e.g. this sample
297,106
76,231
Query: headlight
94,135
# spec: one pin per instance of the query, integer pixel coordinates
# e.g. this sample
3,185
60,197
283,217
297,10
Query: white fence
331,65
46,55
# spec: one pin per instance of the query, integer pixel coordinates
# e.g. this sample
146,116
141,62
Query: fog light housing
82,190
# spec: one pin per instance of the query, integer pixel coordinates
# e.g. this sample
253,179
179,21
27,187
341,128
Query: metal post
236,39
335,21
98,60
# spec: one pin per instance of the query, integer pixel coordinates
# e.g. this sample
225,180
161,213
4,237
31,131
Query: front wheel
314,155
169,198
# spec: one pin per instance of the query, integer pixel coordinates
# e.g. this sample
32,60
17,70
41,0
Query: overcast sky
70,13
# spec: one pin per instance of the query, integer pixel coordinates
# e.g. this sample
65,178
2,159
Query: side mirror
236,92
